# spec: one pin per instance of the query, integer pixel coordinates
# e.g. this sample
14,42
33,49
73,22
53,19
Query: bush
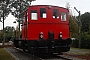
75,43
85,41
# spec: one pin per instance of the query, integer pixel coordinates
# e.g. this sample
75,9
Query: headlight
41,35
60,34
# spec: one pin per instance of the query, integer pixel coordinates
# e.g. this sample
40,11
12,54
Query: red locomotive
45,29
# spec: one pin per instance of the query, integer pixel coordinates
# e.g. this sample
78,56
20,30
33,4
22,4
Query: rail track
18,54
53,57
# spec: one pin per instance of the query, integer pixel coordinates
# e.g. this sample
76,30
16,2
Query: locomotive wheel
23,46
30,50
16,43
68,41
24,49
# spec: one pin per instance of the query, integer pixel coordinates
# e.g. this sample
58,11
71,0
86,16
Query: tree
73,23
19,6
85,19
73,27
9,32
85,38
4,8
85,31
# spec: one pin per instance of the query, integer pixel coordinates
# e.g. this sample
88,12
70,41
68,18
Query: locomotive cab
46,29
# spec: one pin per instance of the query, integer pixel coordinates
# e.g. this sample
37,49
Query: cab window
55,13
43,13
34,15
63,16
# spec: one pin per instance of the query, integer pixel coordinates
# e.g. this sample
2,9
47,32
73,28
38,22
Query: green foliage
85,19
85,31
9,32
73,27
6,6
85,40
20,6
75,43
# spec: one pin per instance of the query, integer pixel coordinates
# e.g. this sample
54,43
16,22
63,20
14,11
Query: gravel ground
73,54
83,54
77,51
19,55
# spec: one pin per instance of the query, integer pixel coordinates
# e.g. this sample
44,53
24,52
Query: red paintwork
32,28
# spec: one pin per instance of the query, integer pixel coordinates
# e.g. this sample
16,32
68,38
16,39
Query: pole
79,28
79,31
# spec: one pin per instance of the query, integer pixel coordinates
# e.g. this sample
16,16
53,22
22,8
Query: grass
5,55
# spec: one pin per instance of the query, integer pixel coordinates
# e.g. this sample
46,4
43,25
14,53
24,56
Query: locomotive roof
49,5
44,5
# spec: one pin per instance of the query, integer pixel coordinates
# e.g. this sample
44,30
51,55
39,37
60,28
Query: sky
81,5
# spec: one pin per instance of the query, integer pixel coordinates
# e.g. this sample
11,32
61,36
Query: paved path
78,51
